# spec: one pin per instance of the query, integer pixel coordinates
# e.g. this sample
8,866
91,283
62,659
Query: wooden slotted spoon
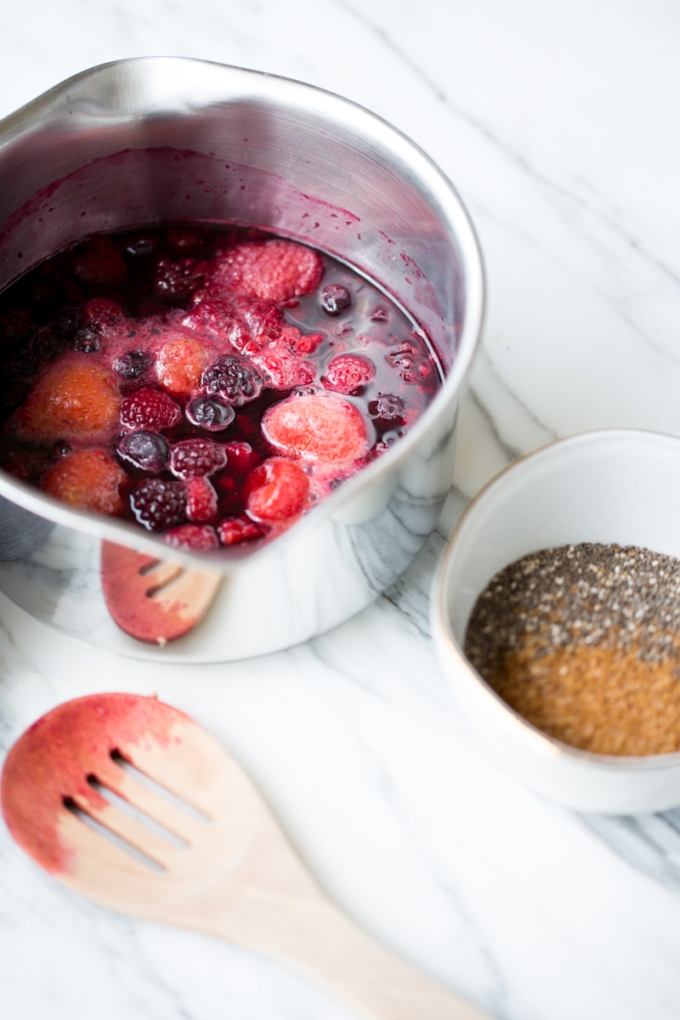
234,875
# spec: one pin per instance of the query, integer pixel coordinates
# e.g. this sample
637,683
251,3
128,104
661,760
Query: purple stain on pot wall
136,186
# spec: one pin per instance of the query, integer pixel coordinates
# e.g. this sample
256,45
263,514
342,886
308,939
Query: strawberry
150,409
348,373
276,490
316,426
272,270
88,480
197,458
180,364
241,458
99,261
281,369
235,530
192,538
74,398
201,500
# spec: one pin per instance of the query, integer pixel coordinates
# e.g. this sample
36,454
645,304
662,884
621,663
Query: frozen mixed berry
61,449
86,341
87,480
180,364
159,504
233,378
210,413
280,368
16,323
150,409
192,538
67,323
201,500
132,364
146,451
194,458
387,410
101,313
184,240
271,270
277,490
335,299
46,343
74,398
236,530
348,373
318,426
241,458
176,281
140,245
99,261
302,343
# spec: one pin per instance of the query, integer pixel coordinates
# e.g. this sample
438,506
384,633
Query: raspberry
74,398
235,530
99,261
261,317
147,451
195,458
348,373
180,364
317,426
159,504
241,458
233,378
88,480
131,365
276,490
272,270
335,299
192,538
201,500
387,411
302,343
100,312
150,409
176,281
210,413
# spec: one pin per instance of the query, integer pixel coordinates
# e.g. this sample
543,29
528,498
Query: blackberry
233,378
158,504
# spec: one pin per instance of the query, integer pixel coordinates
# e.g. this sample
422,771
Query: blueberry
387,411
142,244
61,449
146,451
131,365
47,344
67,323
335,299
210,413
86,341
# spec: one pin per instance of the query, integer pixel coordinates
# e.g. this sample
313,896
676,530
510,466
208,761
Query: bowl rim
448,647
437,187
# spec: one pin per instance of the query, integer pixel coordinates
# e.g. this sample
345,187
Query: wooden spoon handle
314,938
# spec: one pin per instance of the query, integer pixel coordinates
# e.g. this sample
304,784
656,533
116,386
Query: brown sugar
584,642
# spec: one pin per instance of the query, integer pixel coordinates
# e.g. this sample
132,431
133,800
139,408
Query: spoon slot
112,837
138,815
162,795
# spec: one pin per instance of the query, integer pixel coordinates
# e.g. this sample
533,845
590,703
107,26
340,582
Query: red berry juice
210,382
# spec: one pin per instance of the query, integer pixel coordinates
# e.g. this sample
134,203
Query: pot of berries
236,315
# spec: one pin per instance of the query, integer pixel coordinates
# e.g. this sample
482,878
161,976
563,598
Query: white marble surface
558,123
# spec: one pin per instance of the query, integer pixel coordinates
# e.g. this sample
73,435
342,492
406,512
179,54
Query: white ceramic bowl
618,486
